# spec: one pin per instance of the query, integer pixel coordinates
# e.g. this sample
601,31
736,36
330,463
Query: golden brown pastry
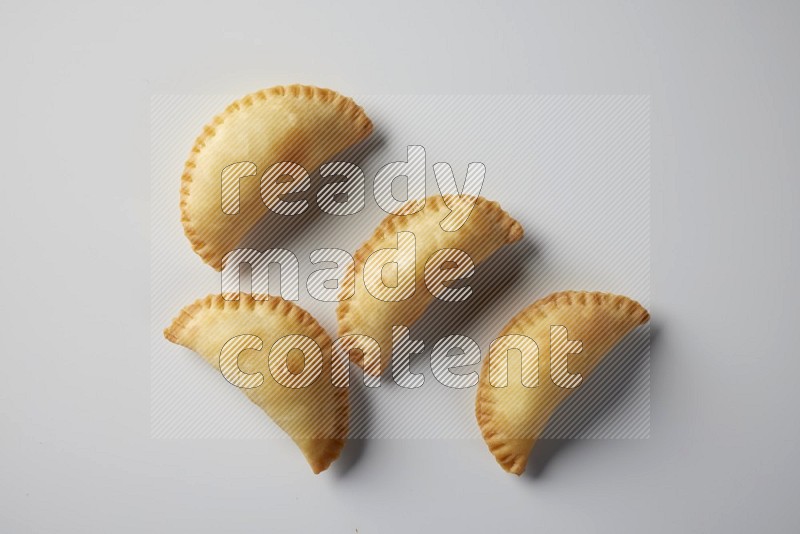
248,156
517,392
280,357
425,259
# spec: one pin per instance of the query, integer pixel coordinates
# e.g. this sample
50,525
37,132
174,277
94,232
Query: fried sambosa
410,260
252,154
280,357
534,365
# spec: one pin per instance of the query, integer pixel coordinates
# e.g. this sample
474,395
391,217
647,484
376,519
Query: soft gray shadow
360,418
603,390
493,278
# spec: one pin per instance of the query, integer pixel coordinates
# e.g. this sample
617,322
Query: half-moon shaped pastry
519,389
231,179
280,357
426,258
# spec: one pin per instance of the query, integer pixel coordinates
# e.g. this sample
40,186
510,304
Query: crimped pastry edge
390,224
346,104
508,460
286,308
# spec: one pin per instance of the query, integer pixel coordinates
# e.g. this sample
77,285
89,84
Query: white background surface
76,453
